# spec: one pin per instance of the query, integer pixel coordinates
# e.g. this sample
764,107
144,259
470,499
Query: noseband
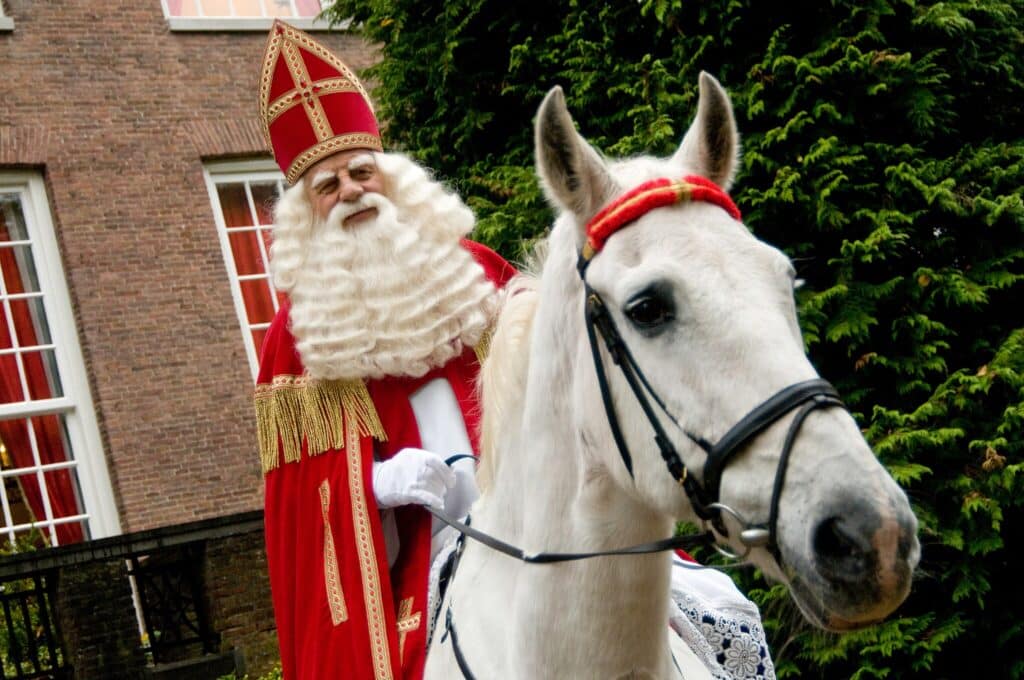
804,396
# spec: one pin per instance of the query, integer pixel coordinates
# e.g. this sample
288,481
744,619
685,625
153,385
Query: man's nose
350,190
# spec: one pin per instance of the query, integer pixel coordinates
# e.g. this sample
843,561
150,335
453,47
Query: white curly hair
397,295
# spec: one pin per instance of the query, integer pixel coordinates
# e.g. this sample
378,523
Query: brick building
134,182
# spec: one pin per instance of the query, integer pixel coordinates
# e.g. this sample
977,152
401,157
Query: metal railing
32,640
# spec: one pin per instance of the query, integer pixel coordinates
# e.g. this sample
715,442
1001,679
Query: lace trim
730,643
449,539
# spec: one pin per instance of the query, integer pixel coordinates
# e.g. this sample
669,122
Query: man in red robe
367,374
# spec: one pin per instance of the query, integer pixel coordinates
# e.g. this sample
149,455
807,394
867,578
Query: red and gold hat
311,104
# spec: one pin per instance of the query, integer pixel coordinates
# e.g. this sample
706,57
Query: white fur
551,475
396,295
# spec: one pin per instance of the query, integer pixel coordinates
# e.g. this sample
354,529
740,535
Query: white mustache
343,211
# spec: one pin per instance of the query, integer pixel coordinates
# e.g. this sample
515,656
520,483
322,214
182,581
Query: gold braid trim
483,348
295,408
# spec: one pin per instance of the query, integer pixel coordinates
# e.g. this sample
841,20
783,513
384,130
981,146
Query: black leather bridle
805,396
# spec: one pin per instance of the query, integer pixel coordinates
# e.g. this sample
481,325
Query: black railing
33,642
167,563
170,589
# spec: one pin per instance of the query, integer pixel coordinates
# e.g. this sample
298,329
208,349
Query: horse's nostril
840,549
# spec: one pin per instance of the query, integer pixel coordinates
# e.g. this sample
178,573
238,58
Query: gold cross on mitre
407,622
311,104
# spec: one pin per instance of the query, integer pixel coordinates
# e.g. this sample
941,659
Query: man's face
343,178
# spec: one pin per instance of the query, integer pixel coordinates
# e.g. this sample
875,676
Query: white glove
412,476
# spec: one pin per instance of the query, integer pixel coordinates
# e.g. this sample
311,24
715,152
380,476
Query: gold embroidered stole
294,408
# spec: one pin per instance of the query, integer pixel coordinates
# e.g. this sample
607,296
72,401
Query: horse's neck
614,610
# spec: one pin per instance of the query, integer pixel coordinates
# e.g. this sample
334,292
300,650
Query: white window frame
227,172
248,23
76,405
6,22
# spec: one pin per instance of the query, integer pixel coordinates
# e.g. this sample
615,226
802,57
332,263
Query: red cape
340,611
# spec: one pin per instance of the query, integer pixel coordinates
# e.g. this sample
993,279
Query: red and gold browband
656,193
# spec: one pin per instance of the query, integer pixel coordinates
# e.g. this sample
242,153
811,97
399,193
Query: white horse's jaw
847,538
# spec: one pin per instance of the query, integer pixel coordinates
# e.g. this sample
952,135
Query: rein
683,542
466,531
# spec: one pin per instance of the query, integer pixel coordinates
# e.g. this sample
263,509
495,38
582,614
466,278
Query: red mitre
311,104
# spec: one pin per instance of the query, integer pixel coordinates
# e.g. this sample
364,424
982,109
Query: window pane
246,250
29,320
249,8
41,374
12,221
257,339
16,263
264,195
19,270
234,206
216,8
65,499
279,8
183,8
259,308
59,495
308,8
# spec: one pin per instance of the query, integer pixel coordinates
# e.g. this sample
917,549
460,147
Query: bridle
805,396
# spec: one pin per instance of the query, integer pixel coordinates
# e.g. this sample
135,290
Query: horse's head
707,312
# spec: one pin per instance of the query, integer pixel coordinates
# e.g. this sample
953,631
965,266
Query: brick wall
238,592
97,619
118,113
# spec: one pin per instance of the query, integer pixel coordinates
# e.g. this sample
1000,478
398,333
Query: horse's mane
502,381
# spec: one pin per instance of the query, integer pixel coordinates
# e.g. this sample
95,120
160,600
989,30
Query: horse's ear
572,172
711,146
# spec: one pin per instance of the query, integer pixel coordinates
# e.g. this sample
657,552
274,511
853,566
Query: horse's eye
650,309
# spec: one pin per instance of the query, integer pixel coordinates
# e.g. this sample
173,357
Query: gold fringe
483,347
295,408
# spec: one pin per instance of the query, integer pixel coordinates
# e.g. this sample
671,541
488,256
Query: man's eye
328,187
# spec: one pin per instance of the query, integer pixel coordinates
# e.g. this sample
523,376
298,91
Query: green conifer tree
883,150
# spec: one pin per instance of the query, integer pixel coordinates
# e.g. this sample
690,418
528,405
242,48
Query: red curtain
47,429
245,248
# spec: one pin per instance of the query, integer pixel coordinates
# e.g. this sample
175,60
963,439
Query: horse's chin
819,614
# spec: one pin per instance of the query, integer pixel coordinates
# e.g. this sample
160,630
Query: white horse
707,312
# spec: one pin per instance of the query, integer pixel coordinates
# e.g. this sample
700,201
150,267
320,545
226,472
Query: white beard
384,297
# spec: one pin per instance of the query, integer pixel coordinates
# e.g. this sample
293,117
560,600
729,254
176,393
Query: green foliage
883,151
273,674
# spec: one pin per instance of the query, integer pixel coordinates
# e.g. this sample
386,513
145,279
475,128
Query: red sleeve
279,356
497,268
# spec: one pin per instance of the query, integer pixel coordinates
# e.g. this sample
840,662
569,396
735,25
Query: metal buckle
751,535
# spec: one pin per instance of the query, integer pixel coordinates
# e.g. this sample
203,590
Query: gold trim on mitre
356,140
286,44
294,409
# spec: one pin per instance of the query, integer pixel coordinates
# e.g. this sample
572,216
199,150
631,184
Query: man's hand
412,476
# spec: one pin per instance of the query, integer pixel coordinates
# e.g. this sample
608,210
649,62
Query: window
242,15
55,487
243,195
6,23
